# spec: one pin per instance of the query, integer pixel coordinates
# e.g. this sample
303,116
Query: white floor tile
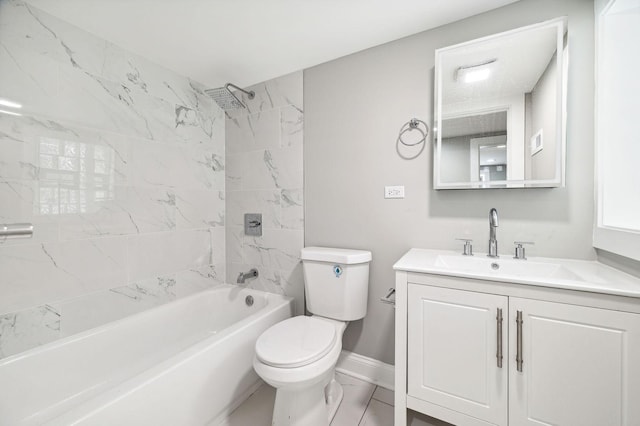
383,395
418,419
413,419
378,414
357,394
257,410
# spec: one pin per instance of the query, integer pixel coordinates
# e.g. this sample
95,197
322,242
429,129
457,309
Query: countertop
570,274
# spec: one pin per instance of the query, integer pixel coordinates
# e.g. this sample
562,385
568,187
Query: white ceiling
249,41
479,124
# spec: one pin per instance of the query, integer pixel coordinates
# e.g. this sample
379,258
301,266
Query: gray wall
454,165
354,107
543,116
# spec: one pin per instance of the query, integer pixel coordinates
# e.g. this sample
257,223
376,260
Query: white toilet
298,356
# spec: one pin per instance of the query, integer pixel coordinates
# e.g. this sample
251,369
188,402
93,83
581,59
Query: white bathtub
184,363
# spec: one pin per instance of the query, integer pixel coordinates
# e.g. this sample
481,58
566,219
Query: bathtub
188,362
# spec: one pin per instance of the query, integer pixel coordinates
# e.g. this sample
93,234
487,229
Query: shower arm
251,94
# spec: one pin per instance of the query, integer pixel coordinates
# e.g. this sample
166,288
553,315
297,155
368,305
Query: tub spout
253,273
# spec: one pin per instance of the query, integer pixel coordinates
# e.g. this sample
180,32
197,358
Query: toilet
298,356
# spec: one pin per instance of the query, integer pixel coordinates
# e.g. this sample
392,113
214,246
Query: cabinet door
452,348
581,366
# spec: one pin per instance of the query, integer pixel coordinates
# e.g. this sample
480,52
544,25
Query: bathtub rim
112,395
103,328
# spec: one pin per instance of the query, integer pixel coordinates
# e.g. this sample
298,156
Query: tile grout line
367,407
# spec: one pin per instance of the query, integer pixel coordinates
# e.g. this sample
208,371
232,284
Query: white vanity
499,341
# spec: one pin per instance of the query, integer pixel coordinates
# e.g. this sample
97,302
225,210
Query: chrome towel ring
413,124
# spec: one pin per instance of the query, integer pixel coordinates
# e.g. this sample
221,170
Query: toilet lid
295,342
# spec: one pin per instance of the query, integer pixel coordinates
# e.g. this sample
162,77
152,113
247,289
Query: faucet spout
493,240
244,275
493,218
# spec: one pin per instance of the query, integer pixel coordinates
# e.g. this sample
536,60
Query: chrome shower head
226,99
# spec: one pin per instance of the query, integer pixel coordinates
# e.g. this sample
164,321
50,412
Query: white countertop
579,275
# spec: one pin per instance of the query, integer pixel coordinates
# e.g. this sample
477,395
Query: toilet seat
296,342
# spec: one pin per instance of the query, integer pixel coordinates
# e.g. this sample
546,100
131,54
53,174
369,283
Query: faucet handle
520,249
467,250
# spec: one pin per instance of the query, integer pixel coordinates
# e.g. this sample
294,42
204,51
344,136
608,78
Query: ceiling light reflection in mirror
497,94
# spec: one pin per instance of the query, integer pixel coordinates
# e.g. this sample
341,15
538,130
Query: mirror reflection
499,110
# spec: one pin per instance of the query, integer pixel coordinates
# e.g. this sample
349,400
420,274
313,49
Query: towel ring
413,124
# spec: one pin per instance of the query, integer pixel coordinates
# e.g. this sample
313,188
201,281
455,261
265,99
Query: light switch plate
394,191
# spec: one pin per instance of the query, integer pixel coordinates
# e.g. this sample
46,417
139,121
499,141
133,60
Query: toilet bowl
298,356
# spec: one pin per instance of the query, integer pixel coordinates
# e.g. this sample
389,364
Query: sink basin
572,274
505,267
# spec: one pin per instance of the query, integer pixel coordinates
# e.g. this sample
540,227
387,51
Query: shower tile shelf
484,341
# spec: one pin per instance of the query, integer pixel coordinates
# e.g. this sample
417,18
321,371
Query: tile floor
363,404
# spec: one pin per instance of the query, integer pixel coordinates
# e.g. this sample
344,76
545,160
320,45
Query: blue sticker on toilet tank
337,269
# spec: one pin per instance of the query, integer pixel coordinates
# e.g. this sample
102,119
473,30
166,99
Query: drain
495,266
248,300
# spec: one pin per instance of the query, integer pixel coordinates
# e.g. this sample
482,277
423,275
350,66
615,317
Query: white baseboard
367,369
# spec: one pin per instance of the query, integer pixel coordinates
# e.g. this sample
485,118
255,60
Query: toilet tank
336,282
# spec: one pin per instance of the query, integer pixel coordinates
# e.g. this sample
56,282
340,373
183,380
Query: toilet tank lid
335,255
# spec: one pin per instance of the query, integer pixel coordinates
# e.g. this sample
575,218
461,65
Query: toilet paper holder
387,299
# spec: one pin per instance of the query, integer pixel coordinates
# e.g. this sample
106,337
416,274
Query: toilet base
333,394
314,406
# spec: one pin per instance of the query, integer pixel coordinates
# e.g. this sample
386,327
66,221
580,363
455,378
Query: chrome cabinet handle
519,360
499,349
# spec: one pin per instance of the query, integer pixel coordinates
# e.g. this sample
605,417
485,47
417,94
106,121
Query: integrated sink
582,275
505,267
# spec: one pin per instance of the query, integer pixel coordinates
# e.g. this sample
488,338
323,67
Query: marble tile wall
119,164
264,145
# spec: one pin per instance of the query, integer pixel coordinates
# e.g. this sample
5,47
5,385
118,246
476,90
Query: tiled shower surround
119,164
265,175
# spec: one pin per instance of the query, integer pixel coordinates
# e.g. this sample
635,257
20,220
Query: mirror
500,110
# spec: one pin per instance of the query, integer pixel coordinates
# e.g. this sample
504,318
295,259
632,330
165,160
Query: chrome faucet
493,242
244,275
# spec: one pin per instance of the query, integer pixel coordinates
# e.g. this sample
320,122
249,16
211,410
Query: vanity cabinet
457,361
453,339
580,365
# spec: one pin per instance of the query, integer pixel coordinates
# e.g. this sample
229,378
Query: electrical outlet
394,191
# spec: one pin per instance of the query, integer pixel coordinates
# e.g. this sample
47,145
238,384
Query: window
617,227
75,177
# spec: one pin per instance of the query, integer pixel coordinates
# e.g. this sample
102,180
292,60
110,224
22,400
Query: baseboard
367,369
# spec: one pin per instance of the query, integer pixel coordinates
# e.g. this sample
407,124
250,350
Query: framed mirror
500,110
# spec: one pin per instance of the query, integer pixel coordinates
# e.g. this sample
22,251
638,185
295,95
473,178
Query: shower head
226,99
